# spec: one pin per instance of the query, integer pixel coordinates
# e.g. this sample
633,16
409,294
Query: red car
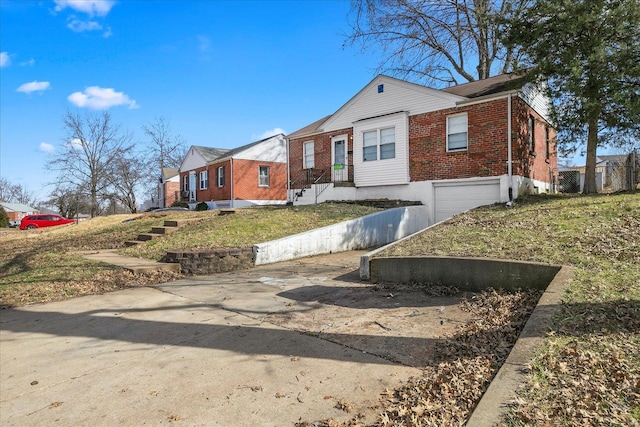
43,220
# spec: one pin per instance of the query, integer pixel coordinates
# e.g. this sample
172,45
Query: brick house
254,174
17,211
452,149
168,187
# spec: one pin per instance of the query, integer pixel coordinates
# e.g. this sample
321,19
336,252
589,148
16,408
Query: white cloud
75,143
90,7
269,133
5,61
28,63
47,148
79,26
34,87
98,98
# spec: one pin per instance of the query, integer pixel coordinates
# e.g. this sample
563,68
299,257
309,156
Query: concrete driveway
296,341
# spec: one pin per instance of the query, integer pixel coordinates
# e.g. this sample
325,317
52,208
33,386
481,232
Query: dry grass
43,265
588,373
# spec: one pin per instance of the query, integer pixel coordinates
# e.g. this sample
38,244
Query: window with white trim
379,144
185,183
220,176
457,132
204,180
387,143
308,155
263,176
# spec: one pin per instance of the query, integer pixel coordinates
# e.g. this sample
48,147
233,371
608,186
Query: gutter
509,149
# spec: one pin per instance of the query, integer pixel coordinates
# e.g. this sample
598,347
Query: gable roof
17,207
168,173
490,86
309,129
209,154
460,93
238,150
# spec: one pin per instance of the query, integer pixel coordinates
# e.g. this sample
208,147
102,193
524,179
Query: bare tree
127,175
166,149
16,193
69,201
91,146
441,42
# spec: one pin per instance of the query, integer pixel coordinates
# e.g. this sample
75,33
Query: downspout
509,149
231,179
288,171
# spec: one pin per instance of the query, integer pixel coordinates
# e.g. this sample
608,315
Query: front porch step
144,237
163,230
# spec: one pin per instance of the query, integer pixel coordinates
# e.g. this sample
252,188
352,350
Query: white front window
308,160
204,180
457,132
263,176
387,143
382,141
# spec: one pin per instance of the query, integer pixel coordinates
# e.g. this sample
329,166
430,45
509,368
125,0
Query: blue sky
223,73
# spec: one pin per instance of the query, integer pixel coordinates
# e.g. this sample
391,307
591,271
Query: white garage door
454,198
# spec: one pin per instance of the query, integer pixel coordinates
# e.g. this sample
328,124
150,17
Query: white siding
271,150
193,160
388,171
536,100
397,95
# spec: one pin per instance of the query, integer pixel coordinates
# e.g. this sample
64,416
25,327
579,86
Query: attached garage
454,197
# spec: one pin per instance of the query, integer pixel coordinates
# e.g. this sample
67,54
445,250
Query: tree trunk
590,168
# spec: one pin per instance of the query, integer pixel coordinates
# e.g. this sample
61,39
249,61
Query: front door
340,169
192,186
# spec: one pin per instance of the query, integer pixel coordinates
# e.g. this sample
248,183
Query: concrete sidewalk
129,263
302,340
153,356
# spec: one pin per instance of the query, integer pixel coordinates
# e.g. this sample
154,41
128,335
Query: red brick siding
534,165
486,154
487,151
171,193
246,182
322,153
245,185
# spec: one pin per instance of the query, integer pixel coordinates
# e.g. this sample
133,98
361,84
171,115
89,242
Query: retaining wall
369,231
471,274
211,261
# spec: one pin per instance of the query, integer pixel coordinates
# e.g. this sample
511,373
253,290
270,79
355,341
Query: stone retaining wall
210,261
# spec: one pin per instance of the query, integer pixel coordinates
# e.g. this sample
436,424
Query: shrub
202,206
4,218
178,204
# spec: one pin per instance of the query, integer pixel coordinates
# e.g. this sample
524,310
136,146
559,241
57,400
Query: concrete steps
169,227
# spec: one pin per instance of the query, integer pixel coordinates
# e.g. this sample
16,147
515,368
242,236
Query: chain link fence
613,174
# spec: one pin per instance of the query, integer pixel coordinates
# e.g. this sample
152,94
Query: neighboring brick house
17,211
169,187
254,174
452,149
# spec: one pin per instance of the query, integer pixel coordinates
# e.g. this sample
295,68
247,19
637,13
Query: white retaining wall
369,231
